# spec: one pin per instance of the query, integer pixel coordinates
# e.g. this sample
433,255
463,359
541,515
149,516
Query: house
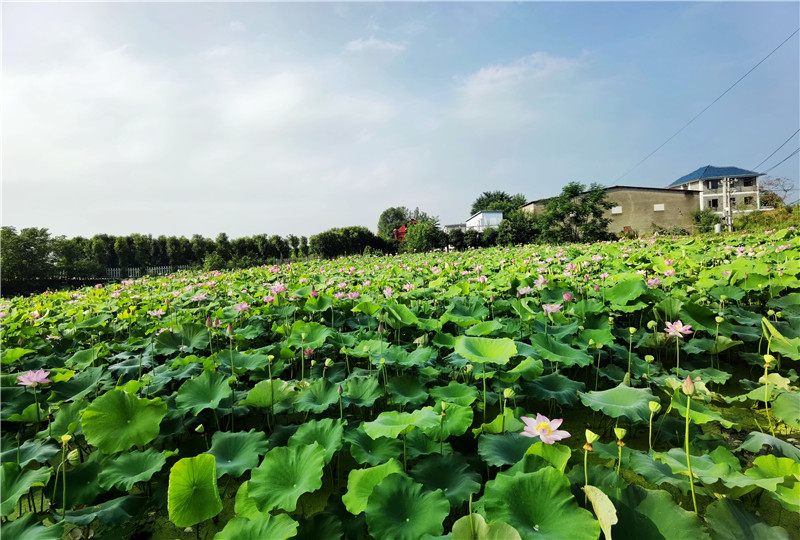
726,190
484,220
637,209
454,226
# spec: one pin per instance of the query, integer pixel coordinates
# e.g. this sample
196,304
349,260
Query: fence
119,273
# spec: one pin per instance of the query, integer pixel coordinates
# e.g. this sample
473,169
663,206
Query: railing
118,273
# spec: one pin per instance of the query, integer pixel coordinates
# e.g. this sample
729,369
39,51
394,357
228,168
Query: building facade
484,220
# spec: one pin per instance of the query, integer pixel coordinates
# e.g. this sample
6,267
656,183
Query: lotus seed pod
719,319
592,343
620,432
508,393
651,324
200,429
328,362
778,314
591,437
771,312
649,358
723,297
444,406
655,406
632,330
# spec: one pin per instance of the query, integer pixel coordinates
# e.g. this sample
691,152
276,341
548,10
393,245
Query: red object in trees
400,234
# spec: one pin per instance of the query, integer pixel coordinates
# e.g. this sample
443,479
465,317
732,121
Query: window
616,210
749,182
733,202
658,208
712,184
713,203
748,201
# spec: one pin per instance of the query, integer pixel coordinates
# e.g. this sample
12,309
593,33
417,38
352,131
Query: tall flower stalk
655,407
34,379
591,438
688,389
678,330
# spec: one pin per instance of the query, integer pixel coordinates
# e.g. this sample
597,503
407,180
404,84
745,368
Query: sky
293,118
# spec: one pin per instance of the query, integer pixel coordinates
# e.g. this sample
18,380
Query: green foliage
786,216
423,237
343,241
576,215
518,227
705,219
497,201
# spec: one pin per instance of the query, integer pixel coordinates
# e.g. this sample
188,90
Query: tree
423,237
223,247
457,239
294,243
705,219
123,249
775,191
391,219
518,227
576,215
497,201
26,255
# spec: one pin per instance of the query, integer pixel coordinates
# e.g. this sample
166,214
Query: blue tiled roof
709,172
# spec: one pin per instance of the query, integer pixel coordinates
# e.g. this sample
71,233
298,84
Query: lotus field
637,389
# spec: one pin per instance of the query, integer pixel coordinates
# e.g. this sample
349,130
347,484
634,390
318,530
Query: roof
485,212
617,188
709,172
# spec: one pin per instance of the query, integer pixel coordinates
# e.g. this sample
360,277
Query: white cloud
534,71
237,27
374,44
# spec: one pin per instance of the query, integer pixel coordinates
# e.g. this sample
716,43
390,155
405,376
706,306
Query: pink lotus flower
551,308
157,313
655,282
482,279
544,428
269,299
669,272
388,291
524,290
278,288
605,275
199,297
33,378
241,307
678,329
314,293
408,286
567,297
339,295
668,262
353,295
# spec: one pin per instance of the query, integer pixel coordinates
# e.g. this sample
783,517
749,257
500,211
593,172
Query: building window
713,203
733,202
748,182
712,184
658,208
616,210
748,201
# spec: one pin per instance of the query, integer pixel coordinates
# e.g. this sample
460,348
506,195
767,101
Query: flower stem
585,474
650,436
688,456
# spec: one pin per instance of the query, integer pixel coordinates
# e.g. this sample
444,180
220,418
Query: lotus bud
649,358
779,314
768,359
655,406
339,390
380,328
651,325
200,429
770,312
383,361
581,328
209,322
468,368
73,457
229,330
688,386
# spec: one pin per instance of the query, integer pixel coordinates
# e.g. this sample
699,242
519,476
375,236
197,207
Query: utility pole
727,211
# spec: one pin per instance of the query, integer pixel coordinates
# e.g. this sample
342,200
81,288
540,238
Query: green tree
123,249
304,246
423,237
457,239
518,227
705,219
223,247
391,219
576,215
294,243
497,201
27,254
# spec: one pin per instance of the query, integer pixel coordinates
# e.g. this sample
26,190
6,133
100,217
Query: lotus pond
636,389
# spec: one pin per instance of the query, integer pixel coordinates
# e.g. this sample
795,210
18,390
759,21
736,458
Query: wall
638,213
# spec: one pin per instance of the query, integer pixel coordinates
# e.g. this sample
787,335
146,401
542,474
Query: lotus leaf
27,527
455,392
474,527
399,508
16,482
503,449
485,350
728,518
277,527
237,452
125,470
450,473
327,432
112,513
285,474
192,495
392,423
361,482
203,392
620,402
118,420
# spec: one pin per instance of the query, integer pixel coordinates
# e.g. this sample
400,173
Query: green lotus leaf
192,495
474,527
203,392
16,482
361,391
786,408
539,505
418,444
393,423
243,362
127,469
456,421
27,527
9,355
603,509
485,328
702,318
556,351
327,432
625,291
361,482
723,343
365,449
620,402
322,526
29,415
530,369
656,472
244,505
267,393
732,292
503,449
449,473
399,508
93,322
465,314
317,396
318,304
455,392
698,413
83,482
406,389
308,335
285,474
237,452
502,423
555,386
555,454
417,357
397,315
720,464
113,513
485,350
727,518
39,451
81,385
645,513
189,338
118,420
277,527
755,440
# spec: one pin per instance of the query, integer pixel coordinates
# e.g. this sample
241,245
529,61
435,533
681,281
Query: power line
708,107
776,150
784,159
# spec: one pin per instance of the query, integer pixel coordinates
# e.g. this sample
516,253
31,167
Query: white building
484,220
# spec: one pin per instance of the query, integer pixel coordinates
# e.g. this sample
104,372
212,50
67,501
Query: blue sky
285,119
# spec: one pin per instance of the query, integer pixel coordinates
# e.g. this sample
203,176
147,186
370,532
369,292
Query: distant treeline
33,255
